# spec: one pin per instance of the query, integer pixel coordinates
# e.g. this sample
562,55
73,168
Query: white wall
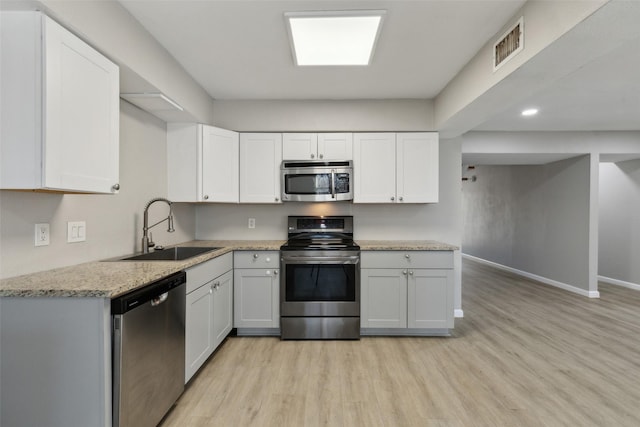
478,92
114,222
619,225
316,115
535,219
146,66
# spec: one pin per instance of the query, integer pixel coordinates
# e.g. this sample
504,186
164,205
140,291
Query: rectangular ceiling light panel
334,38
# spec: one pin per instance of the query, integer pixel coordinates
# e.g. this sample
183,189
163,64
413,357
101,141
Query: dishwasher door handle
159,299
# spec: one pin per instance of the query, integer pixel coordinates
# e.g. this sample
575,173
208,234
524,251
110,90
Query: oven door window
319,183
320,282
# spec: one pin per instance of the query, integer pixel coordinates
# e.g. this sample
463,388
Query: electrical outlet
42,235
76,231
252,223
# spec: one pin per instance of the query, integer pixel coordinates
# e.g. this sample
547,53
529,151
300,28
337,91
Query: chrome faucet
146,241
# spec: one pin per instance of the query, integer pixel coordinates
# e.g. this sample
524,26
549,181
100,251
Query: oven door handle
321,260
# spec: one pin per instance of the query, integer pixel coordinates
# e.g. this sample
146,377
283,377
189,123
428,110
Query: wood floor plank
526,354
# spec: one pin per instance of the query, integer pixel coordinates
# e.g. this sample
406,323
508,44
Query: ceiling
239,49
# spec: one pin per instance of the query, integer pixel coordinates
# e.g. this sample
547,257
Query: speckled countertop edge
404,245
111,278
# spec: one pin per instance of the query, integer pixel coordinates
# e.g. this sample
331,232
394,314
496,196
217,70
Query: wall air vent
509,45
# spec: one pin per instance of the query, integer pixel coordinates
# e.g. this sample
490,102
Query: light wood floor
525,354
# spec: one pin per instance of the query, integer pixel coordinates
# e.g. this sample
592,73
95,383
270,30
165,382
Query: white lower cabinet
409,292
256,291
209,310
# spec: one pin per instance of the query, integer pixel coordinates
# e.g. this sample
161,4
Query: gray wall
531,218
114,222
619,244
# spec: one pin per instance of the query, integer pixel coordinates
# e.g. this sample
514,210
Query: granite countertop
111,278
404,245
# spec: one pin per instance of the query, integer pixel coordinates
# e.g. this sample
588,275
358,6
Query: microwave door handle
333,183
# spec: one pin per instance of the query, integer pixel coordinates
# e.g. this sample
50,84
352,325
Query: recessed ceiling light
334,38
530,112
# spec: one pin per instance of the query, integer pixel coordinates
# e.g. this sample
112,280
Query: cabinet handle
206,197
313,156
411,272
275,272
404,272
321,156
211,289
255,256
407,256
276,199
401,198
115,187
392,198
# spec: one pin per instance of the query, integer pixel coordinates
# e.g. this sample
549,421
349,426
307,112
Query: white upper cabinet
374,167
317,146
417,168
59,109
202,163
299,146
260,159
396,168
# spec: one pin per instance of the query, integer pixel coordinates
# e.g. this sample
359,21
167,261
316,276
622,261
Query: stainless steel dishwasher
148,351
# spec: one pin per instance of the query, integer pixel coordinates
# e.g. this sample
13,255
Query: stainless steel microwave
317,180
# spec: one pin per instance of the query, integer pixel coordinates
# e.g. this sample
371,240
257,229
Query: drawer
256,259
205,272
406,259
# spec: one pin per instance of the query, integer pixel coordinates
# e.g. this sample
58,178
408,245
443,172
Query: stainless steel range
320,279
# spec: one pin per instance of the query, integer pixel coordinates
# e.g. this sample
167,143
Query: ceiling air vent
509,45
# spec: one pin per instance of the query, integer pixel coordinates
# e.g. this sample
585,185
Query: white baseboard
545,280
617,282
458,313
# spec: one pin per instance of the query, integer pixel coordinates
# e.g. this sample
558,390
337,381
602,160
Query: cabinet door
256,301
417,166
383,298
219,165
260,160
198,329
222,308
82,111
335,146
430,299
299,146
374,167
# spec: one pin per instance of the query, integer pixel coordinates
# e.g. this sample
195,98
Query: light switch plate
42,235
76,231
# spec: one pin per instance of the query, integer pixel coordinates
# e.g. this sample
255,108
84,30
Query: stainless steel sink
171,254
